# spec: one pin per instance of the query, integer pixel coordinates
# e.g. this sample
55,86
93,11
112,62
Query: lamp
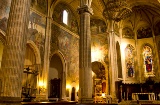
41,87
116,10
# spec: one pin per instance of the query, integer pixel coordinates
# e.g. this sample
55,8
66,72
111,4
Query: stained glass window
129,59
148,61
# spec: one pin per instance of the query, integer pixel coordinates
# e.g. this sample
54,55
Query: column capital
85,8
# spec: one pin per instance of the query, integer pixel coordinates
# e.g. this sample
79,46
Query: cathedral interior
83,51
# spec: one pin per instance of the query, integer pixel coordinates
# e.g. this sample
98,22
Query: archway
31,68
99,82
56,77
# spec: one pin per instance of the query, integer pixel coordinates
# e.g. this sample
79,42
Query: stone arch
60,54
107,81
64,72
36,51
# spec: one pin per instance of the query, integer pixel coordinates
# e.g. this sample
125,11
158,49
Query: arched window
148,61
129,57
65,17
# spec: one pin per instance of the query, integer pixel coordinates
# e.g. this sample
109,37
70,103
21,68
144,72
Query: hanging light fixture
116,10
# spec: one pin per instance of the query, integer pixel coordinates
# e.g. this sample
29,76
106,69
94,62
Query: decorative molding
67,30
85,8
37,12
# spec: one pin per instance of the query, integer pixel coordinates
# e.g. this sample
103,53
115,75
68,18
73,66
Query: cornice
67,30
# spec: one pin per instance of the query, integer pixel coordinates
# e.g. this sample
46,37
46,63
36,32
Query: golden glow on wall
96,54
123,46
42,86
68,86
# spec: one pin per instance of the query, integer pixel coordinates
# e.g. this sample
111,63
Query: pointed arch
36,51
64,72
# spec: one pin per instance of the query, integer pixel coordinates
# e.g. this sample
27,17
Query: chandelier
116,10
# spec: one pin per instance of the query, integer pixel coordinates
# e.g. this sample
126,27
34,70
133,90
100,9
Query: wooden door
55,88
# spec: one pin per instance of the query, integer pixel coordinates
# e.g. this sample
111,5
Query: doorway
55,77
73,93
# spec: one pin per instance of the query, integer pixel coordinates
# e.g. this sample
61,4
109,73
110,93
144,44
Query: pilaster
14,52
112,61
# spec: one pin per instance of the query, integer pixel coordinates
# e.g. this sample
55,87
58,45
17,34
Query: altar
143,96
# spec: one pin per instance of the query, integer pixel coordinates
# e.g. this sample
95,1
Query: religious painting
148,61
4,11
127,33
36,32
97,26
40,5
144,32
129,59
68,45
99,48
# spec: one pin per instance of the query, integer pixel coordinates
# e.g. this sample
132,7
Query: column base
10,101
85,100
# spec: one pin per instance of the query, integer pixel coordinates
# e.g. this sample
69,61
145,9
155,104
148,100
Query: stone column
85,72
44,95
14,53
112,60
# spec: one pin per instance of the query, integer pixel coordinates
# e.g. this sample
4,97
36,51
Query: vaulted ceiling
145,11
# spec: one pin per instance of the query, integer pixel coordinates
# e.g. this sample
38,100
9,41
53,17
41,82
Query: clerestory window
65,17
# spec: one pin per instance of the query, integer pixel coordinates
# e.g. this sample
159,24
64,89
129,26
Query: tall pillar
112,60
14,53
85,72
43,96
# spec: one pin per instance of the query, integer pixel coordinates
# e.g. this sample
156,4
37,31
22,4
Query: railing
143,96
